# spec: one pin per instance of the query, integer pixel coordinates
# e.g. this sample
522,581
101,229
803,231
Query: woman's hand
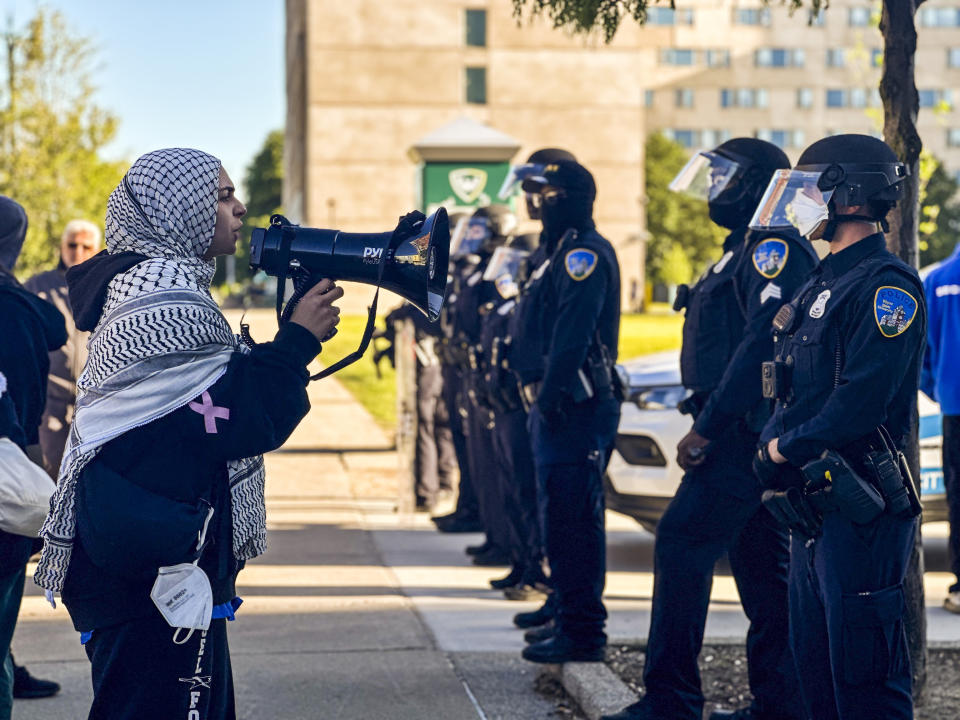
316,311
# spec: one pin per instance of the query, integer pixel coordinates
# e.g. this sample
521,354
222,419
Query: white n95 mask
183,595
808,213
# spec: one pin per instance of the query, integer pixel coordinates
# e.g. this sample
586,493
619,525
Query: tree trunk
901,104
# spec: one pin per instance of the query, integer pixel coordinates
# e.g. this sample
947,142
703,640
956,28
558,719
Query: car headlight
658,398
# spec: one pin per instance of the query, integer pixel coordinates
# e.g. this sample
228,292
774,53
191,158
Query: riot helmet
841,171
487,230
533,166
567,191
731,178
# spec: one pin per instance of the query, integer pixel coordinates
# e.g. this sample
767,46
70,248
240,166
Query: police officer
511,441
717,509
487,230
574,417
845,376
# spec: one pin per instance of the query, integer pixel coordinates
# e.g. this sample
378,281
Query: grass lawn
640,334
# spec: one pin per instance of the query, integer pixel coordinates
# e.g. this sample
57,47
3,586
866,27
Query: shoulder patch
893,309
580,263
770,257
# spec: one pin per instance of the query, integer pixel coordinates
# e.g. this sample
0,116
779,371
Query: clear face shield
793,200
503,270
468,236
705,176
516,176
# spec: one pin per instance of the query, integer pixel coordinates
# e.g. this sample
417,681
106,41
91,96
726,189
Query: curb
598,691
594,687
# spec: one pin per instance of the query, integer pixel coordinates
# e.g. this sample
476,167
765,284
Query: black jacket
29,329
182,457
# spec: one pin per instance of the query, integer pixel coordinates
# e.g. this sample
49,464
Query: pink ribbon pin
210,412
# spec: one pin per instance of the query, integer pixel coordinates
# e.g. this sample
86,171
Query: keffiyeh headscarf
161,341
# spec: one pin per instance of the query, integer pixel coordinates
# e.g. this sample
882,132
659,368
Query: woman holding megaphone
160,499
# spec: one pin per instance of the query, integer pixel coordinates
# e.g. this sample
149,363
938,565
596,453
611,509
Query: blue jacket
940,379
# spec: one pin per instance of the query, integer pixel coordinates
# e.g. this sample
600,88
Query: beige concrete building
367,79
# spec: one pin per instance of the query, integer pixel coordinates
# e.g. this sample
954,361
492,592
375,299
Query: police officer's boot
637,711
561,649
539,634
540,616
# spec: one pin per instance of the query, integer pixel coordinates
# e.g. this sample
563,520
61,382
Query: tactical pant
486,479
467,504
570,461
846,619
435,458
703,521
951,481
139,673
11,592
514,457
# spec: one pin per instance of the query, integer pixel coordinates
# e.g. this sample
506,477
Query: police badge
580,263
893,309
770,256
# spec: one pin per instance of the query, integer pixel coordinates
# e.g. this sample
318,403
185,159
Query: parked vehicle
643,473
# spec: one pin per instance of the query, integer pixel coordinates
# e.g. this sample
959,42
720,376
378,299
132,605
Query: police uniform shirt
525,353
582,300
855,351
727,327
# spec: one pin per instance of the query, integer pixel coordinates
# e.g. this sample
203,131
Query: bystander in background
940,380
80,242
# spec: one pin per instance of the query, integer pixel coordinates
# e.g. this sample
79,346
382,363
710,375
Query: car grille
640,450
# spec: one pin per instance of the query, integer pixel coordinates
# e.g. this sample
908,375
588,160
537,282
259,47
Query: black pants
700,524
140,674
467,503
951,481
486,481
435,456
514,457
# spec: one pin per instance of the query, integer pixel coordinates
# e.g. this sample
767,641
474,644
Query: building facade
366,79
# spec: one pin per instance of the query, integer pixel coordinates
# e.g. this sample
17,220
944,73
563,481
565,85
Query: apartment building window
751,16
476,28
677,56
953,137
779,57
939,17
687,138
477,85
669,16
876,57
804,98
816,18
744,98
956,176
836,98
712,138
683,98
783,138
953,57
718,58
836,57
648,98
930,98
859,16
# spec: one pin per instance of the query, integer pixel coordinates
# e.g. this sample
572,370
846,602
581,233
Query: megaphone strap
371,321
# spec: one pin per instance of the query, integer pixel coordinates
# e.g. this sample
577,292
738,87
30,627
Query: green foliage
263,194
585,16
51,135
682,239
940,212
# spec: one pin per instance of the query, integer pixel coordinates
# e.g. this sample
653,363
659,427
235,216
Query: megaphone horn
415,266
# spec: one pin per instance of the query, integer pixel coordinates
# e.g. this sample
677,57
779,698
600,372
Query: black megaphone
413,266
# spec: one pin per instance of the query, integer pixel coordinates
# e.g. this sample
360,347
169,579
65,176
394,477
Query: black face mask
729,215
570,211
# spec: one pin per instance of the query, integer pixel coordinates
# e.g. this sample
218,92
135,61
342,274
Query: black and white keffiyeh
161,341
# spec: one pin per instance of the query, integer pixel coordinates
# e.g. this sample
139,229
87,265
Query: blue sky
190,73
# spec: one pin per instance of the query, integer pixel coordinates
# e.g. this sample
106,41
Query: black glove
408,226
769,473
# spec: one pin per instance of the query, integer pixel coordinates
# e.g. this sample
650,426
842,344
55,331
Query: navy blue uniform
474,294
579,304
856,356
726,336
